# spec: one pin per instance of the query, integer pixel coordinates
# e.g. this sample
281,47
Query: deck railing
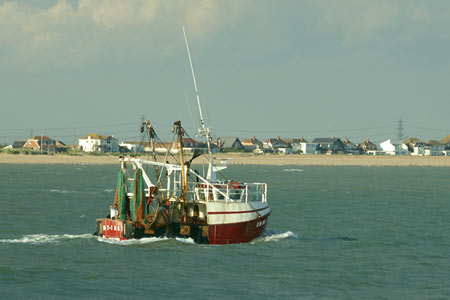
202,190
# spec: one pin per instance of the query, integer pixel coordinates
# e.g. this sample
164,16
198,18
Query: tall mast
184,182
204,130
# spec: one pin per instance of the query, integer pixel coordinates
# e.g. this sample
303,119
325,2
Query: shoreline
244,159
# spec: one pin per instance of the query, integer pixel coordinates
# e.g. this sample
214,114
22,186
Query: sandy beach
246,159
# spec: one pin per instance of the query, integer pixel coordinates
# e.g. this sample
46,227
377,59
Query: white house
309,148
134,146
394,147
431,148
98,143
434,148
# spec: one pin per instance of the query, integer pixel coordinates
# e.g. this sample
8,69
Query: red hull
233,233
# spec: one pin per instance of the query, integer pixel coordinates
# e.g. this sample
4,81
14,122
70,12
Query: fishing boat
158,198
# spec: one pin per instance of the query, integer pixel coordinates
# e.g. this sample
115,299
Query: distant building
276,145
331,145
434,148
391,147
411,143
446,142
41,143
189,145
252,144
309,148
350,148
135,147
367,146
295,143
16,145
98,143
228,142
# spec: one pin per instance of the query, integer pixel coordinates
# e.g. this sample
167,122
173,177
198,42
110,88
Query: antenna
400,129
204,130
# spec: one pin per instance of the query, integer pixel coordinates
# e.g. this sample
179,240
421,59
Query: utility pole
400,129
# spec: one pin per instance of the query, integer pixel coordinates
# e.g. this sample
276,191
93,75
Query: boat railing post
246,193
207,192
258,191
265,192
228,193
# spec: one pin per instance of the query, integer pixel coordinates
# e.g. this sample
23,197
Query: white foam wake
45,238
185,240
292,170
274,237
62,191
142,241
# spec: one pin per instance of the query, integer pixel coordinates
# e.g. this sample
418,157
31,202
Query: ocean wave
270,236
45,238
292,170
62,191
185,240
109,190
143,241
73,192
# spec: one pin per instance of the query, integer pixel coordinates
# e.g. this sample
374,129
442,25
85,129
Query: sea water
334,233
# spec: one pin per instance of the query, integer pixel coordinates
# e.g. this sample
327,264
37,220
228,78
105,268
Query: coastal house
41,143
446,142
309,148
252,144
61,147
135,147
295,143
16,145
434,148
429,148
411,143
330,145
392,147
277,145
98,143
350,148
189,146
228,144
367,146
417,148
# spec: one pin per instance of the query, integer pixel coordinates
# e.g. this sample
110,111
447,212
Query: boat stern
115,229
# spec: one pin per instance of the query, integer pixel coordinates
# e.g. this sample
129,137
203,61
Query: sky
311,68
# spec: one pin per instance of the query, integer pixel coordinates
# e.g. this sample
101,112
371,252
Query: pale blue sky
265,68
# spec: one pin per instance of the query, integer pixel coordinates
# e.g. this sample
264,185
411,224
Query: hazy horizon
264,68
